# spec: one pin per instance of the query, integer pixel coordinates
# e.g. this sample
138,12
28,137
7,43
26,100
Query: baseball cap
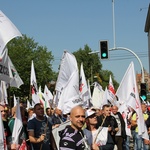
89,112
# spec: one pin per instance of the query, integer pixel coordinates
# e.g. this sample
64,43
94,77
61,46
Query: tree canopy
22,51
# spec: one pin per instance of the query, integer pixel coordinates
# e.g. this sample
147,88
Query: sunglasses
92,116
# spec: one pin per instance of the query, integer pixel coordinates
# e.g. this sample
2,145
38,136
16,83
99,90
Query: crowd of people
89,128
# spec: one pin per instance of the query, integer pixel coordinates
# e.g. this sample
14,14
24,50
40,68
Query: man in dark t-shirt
39,129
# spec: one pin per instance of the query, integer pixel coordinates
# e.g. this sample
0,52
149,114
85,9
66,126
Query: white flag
47,94
15,101
8,31
3,93
83,88
56,99
41,96
5,71
15,81
3,145
106,98
34,88
67,66
17,125
69,87
128,93
97,95
48,97
111,91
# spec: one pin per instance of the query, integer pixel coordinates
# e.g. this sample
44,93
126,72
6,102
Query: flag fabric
5,71
126,114
111,91
3,93
88,84
67,66
56,131
56,99
3,145
15,81
34,88
69,88
8,31
23,146
18,125
111,86
41,96
28,105
97,95
15,101
48,96
106,98
128,93
83,89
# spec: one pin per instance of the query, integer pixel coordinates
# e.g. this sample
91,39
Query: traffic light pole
127,49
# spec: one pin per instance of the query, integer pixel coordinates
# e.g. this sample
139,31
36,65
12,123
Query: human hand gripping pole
43,135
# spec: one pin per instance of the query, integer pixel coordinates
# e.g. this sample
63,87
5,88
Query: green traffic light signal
143,92
143,97
104,52
104,55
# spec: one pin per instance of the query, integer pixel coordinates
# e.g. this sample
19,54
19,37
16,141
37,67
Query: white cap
89,112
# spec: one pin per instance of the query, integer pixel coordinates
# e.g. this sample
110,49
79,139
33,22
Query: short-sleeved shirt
40,127
145,115
71,139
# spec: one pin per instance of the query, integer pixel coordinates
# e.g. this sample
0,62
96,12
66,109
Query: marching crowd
89,128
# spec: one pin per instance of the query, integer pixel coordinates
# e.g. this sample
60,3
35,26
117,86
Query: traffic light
143,92
104,52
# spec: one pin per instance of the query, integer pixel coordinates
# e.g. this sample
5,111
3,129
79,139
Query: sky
71,24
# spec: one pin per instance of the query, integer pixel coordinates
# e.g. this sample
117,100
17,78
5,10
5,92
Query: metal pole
113,13
127,49
123,48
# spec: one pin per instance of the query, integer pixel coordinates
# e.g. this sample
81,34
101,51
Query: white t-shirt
119,124
101,139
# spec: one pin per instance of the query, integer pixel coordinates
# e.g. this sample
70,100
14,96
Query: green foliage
91,63
22,51
105,74
93,67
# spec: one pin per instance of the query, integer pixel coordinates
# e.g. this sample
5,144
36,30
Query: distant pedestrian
56,118
120,136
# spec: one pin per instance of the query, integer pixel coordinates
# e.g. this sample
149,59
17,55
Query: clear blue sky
70,24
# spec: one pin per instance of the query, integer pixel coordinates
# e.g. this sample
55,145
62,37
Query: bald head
77,117
114,109
76,109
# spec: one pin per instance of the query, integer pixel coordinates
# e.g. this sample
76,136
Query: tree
105,74
93,67
91,63
22,51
